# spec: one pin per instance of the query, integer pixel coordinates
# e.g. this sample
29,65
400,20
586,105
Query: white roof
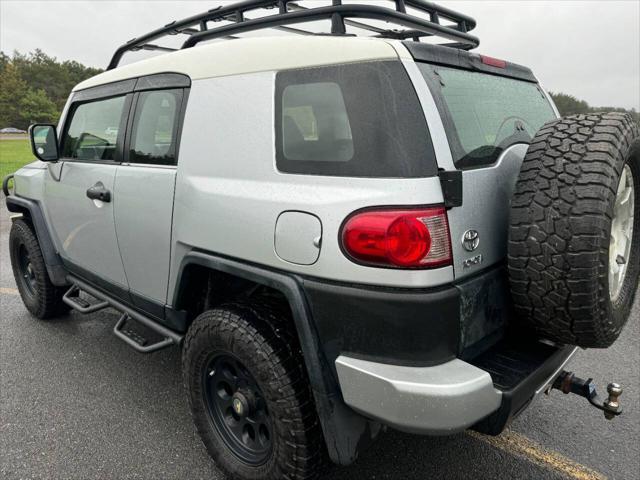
255,54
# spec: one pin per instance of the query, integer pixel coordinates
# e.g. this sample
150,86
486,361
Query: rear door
145,185
489,120
79,199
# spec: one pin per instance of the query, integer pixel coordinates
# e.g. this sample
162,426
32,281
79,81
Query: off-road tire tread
559,229
48,301
265,327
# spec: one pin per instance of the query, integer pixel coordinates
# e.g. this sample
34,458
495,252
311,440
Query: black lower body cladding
416,327
387,326
574,241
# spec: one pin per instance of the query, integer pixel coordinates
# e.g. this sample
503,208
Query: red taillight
494,62
399,238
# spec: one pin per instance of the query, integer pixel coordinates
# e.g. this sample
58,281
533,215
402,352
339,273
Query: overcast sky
590,49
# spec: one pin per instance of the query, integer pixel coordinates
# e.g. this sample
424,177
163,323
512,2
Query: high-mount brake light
411,238
493,62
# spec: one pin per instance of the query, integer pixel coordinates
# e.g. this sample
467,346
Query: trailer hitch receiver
567,382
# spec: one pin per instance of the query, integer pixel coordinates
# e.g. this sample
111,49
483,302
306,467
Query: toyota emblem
470,240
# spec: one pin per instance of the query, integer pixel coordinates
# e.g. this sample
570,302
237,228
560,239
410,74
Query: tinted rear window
357,120
153,135
484,113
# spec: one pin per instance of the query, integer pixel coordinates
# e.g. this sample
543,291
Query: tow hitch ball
567,382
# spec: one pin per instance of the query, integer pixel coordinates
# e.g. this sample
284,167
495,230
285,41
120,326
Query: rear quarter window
154,128
315,123
484,114
355,120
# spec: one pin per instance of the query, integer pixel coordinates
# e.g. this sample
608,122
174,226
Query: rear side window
308,108
356,120
484,114
154,130
92,133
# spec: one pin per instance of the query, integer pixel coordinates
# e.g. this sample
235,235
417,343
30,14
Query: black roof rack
198,29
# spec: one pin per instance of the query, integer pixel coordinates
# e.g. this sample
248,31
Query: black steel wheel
39,295
237,408
26,272
249,394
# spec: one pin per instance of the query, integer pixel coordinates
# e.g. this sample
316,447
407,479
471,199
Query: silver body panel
30,180
486,196
143,203
83,230
437,400
229,194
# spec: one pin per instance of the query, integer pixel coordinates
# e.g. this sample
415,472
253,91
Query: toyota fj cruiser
342,233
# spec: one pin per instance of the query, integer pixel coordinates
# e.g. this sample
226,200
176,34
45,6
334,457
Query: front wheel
39,295
249,394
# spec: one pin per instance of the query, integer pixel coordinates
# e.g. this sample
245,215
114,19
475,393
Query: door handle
99,192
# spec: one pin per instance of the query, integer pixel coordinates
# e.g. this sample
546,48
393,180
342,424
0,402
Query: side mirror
44,142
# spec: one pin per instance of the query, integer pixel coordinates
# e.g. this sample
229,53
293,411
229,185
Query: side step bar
139,342
129,336
75,301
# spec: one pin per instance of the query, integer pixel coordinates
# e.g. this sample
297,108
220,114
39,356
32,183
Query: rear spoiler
453,57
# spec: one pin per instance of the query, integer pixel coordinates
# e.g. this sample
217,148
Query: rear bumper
429,400
431,361
520,370
450,397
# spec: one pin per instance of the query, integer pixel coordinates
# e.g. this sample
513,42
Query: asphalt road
77,403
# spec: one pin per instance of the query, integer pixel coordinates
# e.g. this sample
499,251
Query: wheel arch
32,210
346,433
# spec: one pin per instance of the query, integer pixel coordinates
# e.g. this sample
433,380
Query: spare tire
574,252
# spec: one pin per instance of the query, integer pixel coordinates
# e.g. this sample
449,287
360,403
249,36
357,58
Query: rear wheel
249,394
237,407
39,295
574,236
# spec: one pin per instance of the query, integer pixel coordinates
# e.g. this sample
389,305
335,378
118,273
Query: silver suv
343,232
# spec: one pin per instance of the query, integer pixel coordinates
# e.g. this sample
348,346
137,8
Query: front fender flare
33,210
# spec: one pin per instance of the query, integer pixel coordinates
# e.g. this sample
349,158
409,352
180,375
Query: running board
82,305
137,340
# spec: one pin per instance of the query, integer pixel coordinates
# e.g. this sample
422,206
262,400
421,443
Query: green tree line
35,87
570,105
